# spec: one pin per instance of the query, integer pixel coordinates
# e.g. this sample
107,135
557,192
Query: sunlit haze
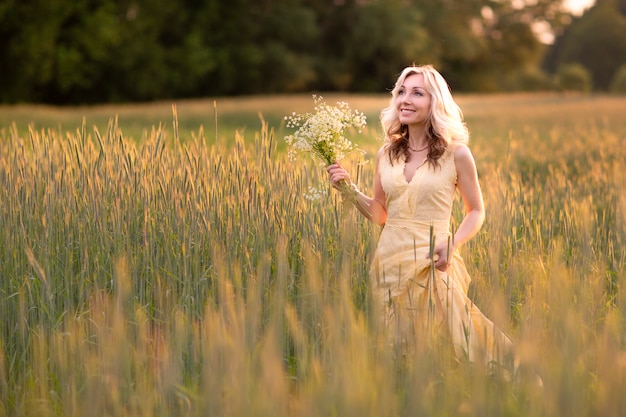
578,6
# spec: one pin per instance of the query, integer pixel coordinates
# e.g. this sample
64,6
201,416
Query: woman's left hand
442,254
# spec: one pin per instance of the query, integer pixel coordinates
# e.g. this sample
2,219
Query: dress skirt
416,299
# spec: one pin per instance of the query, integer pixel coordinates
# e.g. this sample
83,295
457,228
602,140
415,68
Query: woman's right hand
336,174
372,208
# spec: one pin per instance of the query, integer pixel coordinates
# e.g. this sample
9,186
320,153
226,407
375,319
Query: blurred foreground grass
188,276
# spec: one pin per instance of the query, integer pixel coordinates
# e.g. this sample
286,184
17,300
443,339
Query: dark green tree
378,49
84,51
284,33
161,51
618,83
483,44
52,50
363,45
597,40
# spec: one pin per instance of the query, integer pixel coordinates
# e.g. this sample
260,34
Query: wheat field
181,272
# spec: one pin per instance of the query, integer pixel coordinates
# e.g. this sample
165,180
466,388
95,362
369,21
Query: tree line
88,51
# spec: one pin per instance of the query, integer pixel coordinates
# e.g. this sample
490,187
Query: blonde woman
423,162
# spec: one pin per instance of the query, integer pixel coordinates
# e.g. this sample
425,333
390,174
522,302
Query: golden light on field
187,275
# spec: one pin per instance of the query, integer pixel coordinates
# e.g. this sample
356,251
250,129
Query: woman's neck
417,136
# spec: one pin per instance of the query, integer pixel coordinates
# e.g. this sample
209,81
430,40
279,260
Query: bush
573,77
618,82
533,79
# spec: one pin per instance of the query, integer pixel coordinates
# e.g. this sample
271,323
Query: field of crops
178,270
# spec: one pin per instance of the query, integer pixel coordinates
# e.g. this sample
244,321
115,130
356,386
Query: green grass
220,117
149,274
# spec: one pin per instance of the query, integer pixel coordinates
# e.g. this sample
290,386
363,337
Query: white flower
315,193
323,133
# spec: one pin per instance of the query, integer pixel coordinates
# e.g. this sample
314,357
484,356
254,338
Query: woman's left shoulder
461,152
463,160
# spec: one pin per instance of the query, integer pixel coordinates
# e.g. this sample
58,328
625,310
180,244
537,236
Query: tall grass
180,276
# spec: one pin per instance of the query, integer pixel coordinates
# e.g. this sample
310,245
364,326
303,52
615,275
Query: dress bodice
427,198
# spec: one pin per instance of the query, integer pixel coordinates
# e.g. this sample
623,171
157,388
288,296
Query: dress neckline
404,174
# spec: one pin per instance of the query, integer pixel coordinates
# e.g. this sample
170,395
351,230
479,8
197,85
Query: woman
422,163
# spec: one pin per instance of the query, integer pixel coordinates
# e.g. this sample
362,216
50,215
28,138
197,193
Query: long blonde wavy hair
445,124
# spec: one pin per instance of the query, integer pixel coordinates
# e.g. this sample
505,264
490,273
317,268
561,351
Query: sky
578,6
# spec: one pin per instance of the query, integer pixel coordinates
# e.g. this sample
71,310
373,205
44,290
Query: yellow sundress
413,296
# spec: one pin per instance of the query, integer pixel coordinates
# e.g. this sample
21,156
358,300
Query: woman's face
413,101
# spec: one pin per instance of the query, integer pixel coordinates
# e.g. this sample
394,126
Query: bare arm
469,187
467,183
374,209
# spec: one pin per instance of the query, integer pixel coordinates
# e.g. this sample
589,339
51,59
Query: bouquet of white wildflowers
323,134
